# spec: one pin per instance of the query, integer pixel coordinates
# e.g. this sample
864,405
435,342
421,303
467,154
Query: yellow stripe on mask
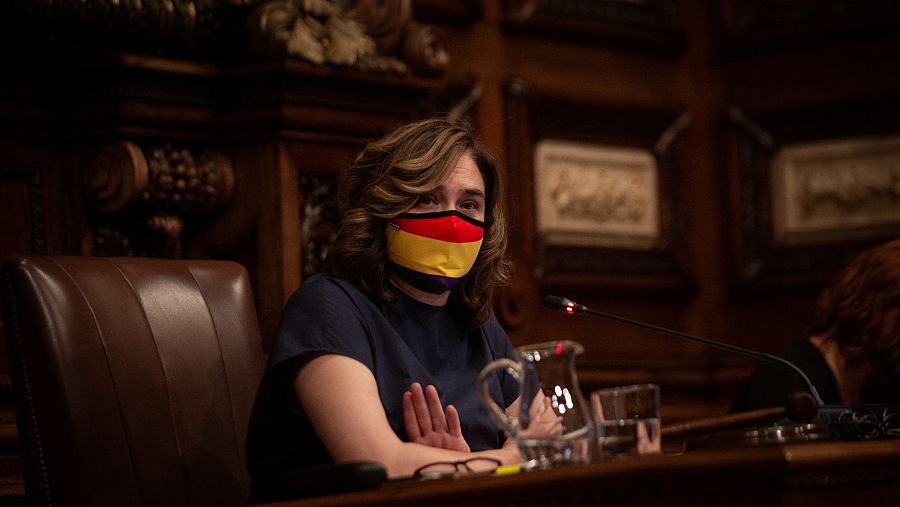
431,256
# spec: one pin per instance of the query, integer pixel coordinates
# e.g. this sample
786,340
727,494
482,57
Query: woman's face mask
433,251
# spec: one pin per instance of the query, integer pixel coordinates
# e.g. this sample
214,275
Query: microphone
572,308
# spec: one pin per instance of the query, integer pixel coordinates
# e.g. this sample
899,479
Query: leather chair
134,378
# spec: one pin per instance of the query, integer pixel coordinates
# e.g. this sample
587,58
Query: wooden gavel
800,407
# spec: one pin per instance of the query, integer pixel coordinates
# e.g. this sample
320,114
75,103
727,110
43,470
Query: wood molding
649,26
457,12
32,180
761,25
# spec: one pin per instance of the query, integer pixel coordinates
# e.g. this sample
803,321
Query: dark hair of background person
388,178
854,311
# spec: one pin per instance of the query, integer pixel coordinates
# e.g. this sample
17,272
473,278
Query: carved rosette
370,35
153,190
116,177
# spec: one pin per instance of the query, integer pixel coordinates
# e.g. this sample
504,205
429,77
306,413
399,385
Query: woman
852,354
419,253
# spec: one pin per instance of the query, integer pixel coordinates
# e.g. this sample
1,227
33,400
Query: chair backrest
134,378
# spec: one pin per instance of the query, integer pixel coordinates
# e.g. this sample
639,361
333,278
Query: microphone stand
862,422
573,308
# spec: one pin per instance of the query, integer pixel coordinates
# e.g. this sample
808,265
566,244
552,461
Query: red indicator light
558,348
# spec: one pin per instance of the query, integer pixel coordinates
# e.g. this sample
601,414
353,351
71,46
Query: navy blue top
401,343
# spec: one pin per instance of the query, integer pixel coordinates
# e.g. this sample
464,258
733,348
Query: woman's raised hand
426,423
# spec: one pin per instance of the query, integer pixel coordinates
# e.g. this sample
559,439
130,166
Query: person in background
420,251
852,352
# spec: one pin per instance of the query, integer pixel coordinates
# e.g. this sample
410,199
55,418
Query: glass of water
627,420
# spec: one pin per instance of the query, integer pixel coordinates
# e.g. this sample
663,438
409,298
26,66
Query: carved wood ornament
371,35
164,186
170,24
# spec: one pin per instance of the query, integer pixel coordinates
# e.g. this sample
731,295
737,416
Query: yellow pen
508,469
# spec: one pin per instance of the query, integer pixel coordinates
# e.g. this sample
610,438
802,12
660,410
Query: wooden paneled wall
720,57
81,118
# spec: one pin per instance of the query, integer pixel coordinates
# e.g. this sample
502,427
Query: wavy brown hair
852,310
388,178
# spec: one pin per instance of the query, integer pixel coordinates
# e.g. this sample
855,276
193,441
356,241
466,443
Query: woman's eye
470,206
428,200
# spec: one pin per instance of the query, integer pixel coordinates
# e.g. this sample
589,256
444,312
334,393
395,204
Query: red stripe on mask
448,228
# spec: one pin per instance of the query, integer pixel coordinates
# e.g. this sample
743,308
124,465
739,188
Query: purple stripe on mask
433,284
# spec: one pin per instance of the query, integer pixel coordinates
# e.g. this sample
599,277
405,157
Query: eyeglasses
455,468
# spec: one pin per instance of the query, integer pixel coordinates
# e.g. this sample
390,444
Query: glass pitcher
552,425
